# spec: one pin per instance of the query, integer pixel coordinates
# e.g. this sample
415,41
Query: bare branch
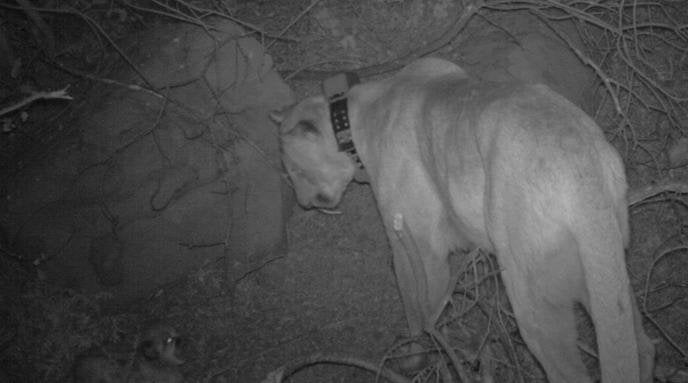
640,195
58,94
280,374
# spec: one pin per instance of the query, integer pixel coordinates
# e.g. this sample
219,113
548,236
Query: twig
116,47
671,374
662,251
191,246
58,94
606,80
257,268
92,23
49,44
666,336
462,20
673,302
280,374
640,195
178,15
133,87
458,367
297,18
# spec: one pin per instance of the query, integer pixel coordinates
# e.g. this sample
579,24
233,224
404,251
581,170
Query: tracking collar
335,90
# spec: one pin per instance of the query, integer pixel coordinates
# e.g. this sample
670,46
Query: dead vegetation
637,49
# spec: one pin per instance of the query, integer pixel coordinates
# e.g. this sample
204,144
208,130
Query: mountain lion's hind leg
543,283
550,332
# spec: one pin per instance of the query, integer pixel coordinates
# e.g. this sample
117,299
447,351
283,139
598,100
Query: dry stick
666,336
664,97
659,254
506,340
653,86
118,49
664,249
177,15
280,374
47,32
484,348
611,85
192,17
492,272
254,268
132,87
209,12
458,367
98,28
640,195
297,18
648,79
537,6
637,197
674,301
502,332
268,160
667,99
58,94
465,16
606,80
540,5
181,106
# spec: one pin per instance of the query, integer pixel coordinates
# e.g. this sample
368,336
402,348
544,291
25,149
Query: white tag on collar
336,87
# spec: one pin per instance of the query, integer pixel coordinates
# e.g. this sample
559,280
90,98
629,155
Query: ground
330,289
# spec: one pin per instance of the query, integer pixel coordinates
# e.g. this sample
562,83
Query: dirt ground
330,290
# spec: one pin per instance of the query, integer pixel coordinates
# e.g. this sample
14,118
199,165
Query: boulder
152,187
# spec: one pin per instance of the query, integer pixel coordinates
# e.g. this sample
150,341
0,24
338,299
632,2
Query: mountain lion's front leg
423,278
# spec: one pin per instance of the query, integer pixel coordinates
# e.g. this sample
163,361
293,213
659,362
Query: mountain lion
515,169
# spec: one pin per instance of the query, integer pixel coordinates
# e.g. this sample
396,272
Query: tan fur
514,169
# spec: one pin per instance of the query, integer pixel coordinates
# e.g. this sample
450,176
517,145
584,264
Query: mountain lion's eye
307,127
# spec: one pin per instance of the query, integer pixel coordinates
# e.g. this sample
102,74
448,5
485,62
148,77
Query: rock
153,188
